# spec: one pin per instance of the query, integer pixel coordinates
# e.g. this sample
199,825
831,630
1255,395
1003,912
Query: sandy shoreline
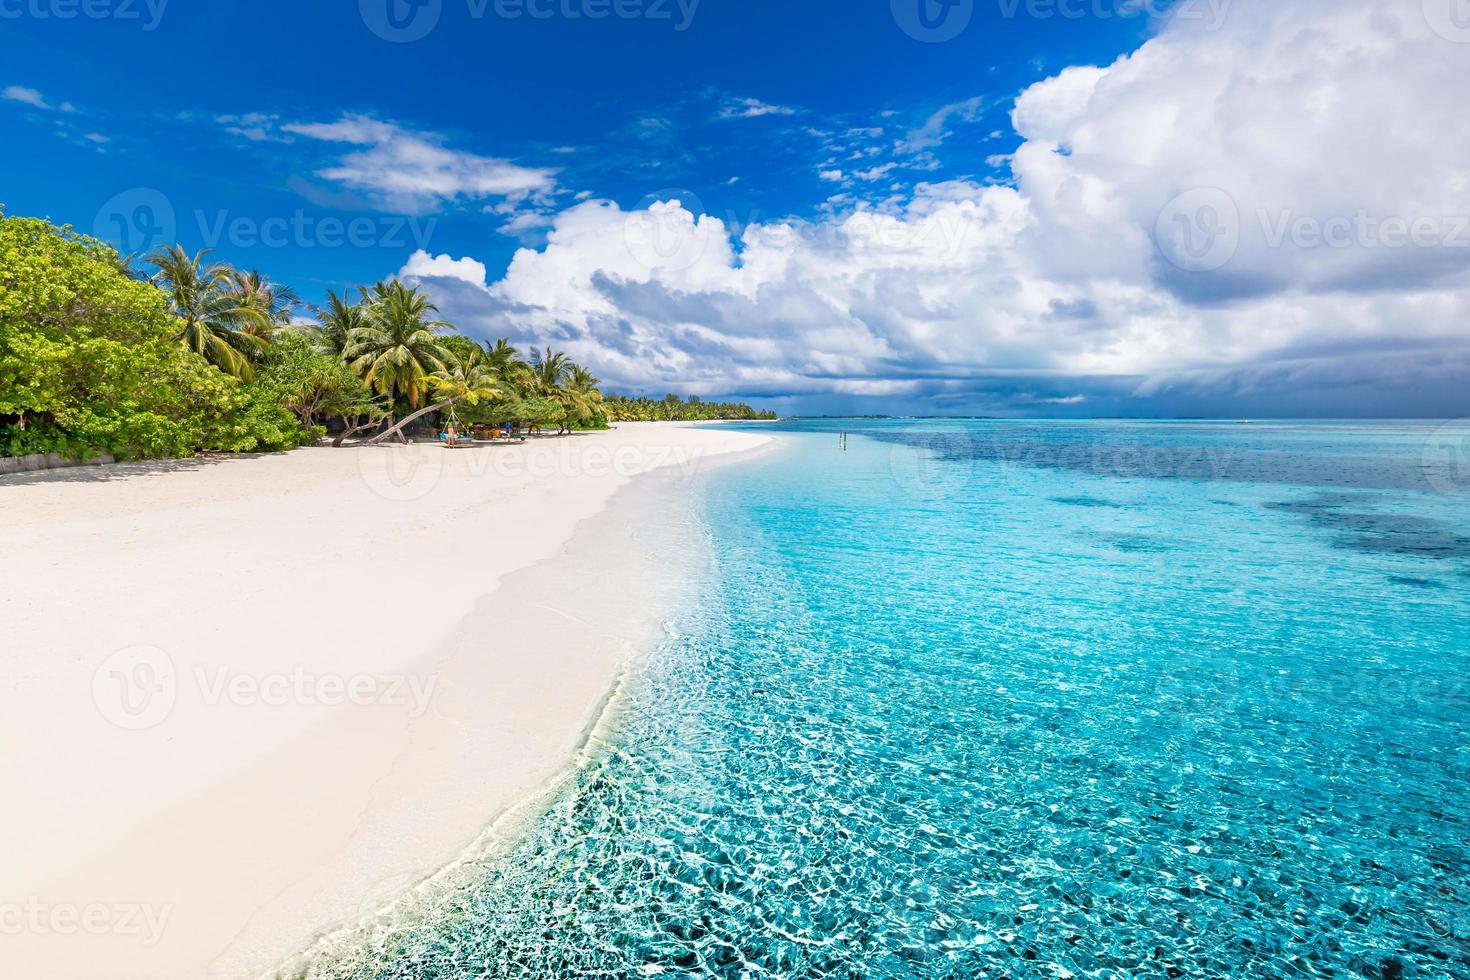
246,702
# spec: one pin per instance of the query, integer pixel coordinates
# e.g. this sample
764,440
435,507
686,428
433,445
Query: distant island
672,408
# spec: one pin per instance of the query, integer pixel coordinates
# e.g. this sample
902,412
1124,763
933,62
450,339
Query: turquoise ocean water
1010,699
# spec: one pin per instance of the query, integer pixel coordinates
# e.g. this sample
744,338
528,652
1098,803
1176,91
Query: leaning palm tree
216,325
274,301
470,380
396,350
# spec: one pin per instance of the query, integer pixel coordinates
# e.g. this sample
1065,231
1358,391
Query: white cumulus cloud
1277,199
422,265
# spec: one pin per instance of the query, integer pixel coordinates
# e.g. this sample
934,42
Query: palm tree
215,323
501,356
395,350
514,373
556,377
547,377
580,395
339,318
274,301
470,380
124,264
548,371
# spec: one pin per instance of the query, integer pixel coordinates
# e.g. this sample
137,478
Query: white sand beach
246,701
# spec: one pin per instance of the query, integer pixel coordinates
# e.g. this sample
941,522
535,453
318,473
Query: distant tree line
672,408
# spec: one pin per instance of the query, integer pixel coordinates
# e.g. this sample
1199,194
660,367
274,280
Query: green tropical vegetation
672,408
217,321
94,361
193,355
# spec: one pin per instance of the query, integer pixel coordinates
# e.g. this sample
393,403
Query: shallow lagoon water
981,699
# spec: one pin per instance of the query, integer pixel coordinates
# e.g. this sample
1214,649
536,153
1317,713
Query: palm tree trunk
397,429
353,430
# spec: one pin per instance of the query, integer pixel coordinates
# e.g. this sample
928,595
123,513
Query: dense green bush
90,361
596,422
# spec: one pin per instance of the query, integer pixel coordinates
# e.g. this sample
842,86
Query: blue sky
297,139
621,108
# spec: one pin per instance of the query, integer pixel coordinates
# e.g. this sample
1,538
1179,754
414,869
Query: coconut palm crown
216,324
397,349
